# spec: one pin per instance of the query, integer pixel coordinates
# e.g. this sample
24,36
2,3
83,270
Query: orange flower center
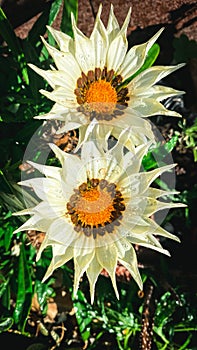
101,97
96,207
100,94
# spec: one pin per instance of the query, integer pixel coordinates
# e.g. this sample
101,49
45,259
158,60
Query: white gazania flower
91,80
95,207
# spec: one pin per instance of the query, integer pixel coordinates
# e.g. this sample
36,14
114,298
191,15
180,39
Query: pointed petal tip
18,229
130,10
166,252
32,66
99,9
160,31
92,294
73,21
140,285
44,279
180,65
53,146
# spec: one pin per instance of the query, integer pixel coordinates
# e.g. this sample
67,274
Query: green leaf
156,156
84,318
56,5
5,324
169,145
44,291
9,35
69,6
47,17
4,183
24,291
39,27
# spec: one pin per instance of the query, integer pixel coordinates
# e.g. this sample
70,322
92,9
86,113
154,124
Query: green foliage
156,156
20,101
174,317
187,136
69,6
20,274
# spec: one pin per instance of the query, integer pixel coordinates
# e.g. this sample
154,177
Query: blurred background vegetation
39,315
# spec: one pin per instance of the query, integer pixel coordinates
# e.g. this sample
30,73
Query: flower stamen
96,207
100,94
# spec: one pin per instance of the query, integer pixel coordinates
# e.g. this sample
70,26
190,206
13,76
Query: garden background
39,316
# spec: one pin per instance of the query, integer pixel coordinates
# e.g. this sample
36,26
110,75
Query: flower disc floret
96,207
100,95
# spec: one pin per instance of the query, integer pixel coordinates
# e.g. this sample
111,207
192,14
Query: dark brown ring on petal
97,73
110,75
91,76
84,78
104,73
83,187
118,112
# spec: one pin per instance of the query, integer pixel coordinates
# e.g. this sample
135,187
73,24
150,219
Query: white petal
116,53
148,243
90,151
37,223
100,41
81,265
57,261
47,170
57,112
73,171
107,257
84,49
155,229
93,271
118,46
61,155
62,96
132,219
159,92
27,211
64,60
130,262
60,78
140,129
156,192
151,76
136,56
152,206
46,188
140,182
64,41
117,151
62,232
131,162
53,210
149,107
94,162
112,25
